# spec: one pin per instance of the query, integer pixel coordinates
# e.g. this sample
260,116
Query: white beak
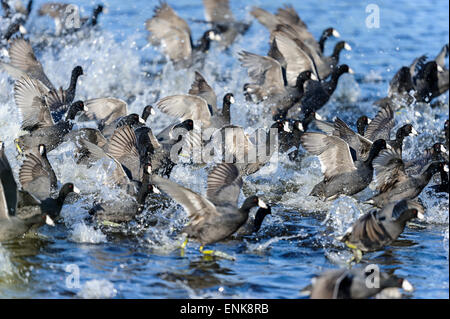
440,69
446,168
368,121
232,100
443,150
22,29
347,46
300,126
420,216
149,169
406,285
261,204
49,221
318,117
336,33
350,70
41,150
152,111
286,127
85,108
156,190
413,132
141,120
314,77
76,190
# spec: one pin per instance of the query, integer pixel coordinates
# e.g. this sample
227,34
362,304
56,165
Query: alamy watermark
373,19
227,145
71,17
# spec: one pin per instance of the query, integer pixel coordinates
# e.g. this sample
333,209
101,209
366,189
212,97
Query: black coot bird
394,184
341,174
378,228
219,14
196,108
352,284
253,223
23,63
11,226
124,209
37,119
288,15
39,186
318,93
269,84
215,217
168,29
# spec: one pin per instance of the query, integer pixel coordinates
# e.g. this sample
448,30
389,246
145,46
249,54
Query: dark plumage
12,226
341,174
218,13
124,209
216,216
352,284
168,29
253,223
199,105
269,84
39,185
24,64
377,229
318,93
437,152
394,184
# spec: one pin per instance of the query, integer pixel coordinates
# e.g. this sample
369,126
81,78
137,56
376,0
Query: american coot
248,156
215,217
104,110
426,81
107,112
377,229
24,63
37,176
317,93
253,224
37,119
197,109
39,184
379,128
352,284
29,205
202,89
218,13
12,226
269,84
133,120
341,174
180,138
288,15
394,184
324,65
443,187
433,153
125,209
168,29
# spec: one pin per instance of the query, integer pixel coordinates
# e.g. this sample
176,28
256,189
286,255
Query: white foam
97,289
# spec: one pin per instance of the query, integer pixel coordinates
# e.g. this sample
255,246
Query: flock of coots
291,83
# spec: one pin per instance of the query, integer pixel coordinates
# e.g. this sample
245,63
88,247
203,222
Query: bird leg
16,142
216,253
357,253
